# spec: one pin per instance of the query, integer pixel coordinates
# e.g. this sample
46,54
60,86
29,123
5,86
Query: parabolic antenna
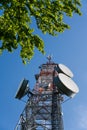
64,69
66,85
22,90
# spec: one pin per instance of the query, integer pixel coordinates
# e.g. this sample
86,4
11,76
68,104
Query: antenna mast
43,108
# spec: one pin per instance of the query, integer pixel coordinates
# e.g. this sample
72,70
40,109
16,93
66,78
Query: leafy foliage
16,19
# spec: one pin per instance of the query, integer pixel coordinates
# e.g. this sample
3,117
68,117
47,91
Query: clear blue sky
69,48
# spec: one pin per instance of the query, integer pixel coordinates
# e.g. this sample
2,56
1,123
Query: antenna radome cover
64,69
66,85
22,89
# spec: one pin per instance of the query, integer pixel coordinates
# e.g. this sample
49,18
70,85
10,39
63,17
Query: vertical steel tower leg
57,120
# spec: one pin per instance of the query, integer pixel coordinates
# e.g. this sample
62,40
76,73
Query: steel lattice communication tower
43,108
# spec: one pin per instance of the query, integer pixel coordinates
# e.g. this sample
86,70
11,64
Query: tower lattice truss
43,107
